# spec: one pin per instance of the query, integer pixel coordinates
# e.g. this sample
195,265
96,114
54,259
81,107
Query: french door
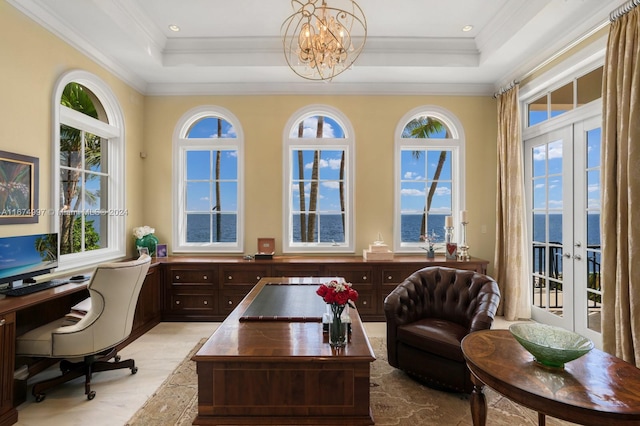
562,170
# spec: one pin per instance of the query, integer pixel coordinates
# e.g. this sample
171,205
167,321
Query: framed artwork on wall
18,188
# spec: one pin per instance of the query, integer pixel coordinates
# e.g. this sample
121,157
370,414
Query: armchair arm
488,300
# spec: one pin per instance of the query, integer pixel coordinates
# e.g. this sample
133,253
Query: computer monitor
26,256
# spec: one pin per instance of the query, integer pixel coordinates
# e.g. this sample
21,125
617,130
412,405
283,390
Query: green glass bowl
550,346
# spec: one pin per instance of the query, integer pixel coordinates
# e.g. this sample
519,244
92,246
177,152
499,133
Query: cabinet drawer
351,275
297,270
366,304
248,276
396,276
229,299
192,302
192,276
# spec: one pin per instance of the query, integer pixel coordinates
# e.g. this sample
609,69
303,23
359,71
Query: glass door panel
587,245
549,204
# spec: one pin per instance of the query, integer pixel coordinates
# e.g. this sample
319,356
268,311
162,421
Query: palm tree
75,97
303,216
423,127
313,193
218,201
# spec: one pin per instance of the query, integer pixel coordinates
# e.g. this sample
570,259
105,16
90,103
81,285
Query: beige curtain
620,176
510,264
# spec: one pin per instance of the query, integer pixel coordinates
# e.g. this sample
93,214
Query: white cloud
594,187
442,190
412,192
331,184
412,176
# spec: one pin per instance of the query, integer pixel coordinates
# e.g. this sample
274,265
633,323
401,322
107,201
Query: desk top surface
10,304
594,386
284,340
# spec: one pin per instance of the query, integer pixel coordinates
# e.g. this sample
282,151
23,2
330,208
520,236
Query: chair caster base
40,397
91,395
134,370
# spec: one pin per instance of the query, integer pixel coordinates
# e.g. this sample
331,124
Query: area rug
396,399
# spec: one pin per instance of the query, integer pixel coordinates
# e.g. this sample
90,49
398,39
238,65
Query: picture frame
143,250
19,176
266,245
161,250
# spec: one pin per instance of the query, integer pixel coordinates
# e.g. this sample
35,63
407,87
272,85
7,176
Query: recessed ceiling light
174,28
467,28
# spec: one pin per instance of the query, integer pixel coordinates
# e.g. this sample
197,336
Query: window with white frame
208,173
88,175
318,182
429,176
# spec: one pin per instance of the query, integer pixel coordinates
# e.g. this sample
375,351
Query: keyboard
33,288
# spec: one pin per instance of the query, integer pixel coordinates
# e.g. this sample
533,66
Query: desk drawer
246,275
186,299
192,276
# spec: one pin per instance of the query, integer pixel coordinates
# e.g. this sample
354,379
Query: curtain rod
623,10
506,88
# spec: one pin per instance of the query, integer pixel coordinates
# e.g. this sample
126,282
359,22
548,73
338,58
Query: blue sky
547,173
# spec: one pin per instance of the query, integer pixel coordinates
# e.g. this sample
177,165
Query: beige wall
374,119
33,60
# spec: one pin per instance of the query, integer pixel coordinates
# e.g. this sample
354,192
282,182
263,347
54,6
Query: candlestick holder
463,254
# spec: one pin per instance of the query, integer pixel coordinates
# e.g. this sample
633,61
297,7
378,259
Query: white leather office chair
114,290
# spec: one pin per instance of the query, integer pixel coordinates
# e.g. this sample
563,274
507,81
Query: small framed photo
161,250
143,250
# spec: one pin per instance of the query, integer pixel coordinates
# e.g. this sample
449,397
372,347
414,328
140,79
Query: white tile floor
119,394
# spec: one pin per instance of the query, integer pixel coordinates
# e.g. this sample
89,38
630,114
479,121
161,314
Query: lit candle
463,216
448,222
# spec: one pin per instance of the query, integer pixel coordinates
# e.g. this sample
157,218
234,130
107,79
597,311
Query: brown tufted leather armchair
429,314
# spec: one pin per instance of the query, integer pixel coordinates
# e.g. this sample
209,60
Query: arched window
88,175
318,182
429,173
208,175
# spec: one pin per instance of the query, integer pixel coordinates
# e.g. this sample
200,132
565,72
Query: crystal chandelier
322,41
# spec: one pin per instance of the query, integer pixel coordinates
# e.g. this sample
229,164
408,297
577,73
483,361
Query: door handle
577,257
567,255
578,244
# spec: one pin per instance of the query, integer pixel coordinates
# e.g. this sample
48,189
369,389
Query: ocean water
201,228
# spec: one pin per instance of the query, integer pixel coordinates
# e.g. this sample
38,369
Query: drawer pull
230,302
2,322
204,277
177,302
364,302
206,302
229,277
258,277
364,278
389,278
177,277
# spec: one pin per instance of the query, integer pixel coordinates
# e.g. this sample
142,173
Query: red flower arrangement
337,293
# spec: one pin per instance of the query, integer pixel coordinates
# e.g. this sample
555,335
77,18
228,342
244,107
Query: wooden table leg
478,403
542,420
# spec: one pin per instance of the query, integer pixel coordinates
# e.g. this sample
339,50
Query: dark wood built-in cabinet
209,288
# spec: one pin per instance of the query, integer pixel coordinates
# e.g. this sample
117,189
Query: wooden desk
279,372
19,315
597,389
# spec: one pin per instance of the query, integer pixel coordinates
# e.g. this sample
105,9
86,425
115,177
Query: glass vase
149,241
337,328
